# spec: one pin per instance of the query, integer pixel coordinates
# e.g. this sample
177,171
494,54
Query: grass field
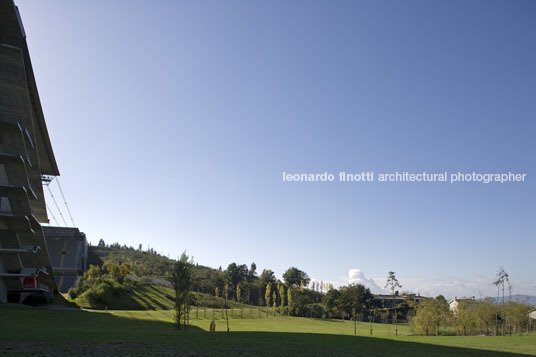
36,331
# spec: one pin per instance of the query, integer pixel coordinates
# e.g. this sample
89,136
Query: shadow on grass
150,302
325,344
28,329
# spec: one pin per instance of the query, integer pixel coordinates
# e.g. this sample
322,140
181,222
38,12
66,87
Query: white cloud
450,286
356,276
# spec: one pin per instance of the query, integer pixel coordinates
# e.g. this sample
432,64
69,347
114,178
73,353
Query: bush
77,289
316,310
105,292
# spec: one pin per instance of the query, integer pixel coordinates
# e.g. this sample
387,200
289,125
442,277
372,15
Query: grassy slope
143,332
150,297
146,297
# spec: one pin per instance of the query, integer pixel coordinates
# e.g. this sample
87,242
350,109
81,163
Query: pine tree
238,292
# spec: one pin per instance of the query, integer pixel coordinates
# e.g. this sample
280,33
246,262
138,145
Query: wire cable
56,203
65,201
52,214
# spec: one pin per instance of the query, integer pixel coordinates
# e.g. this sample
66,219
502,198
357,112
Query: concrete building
68,251
25,156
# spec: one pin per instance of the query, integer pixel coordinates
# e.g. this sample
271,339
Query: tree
181,280
441,299
516,316
101,243
267,276
502,278
392,284
217,292
238,292
235,274
352,299
252,276
226,295
274,299
485,314
282,296
331,300
429,316
92,274
253,270
465,319
294,277
289,299
268,294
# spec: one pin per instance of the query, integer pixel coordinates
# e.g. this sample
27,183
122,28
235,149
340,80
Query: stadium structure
27,262
68,251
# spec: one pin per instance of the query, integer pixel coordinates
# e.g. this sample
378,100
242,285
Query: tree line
470,317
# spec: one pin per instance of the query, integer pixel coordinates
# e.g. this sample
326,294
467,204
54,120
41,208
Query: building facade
25,156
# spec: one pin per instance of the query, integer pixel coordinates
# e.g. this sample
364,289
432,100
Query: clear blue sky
172,122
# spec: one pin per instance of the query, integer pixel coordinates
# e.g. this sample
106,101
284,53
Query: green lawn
26,330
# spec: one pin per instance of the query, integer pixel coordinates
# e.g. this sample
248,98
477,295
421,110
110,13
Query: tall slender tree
181,280
282,297
226,295
267,296
289,298
274,298
392,284
501,279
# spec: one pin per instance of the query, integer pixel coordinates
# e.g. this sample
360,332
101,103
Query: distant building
386,301
453,304
532,314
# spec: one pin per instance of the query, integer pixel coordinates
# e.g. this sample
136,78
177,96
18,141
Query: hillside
147,297
153,266
136,297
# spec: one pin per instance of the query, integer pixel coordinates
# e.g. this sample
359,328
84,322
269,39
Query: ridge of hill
152,266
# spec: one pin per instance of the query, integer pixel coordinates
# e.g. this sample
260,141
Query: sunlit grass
153,332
